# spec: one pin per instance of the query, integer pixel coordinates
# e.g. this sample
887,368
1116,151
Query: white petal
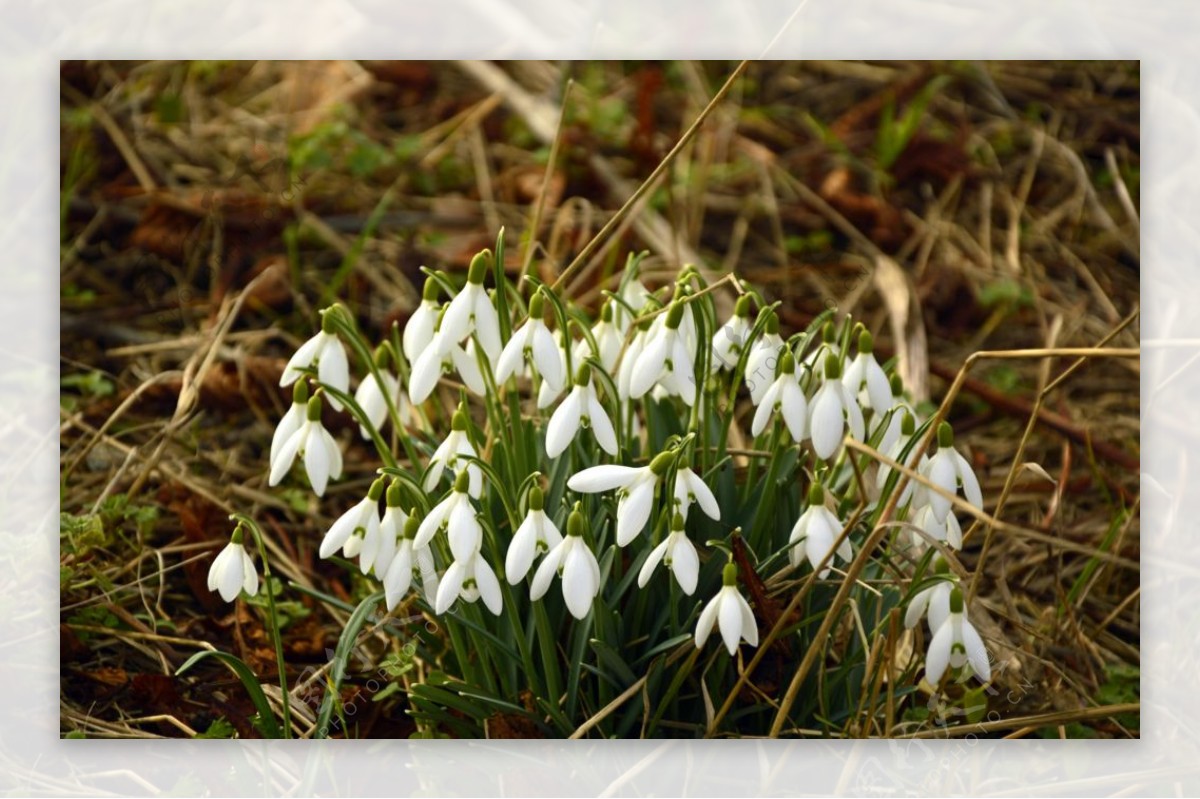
749,625
938,656
633,510
605,477
826,424
521,551
218,567
684,369
648,368
463,530
369,556
853,413
652,560
425,373
704,496
976,652
432,523
708,618
316,460
249,575
333,369
602,428
685,563
546,571
794,408
730,619
456,321
577,586
451,587
939,605
429,575
488,585
564,423
916,608
953,532
340,531
487,326
292,421
419,331
547,529
468,369
766,408
281,464
970,483
398,577
879,390
942,473
546,358
303,358
852,378
512,355
333,453
231,577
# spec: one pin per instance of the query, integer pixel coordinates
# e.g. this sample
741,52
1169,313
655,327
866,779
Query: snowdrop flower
785,397
629,360
292,420
635,295
729,611
536,535
232,571
679,554
665,359
471,311
832,407
608,338
817,529
374,398
865,371
408,563
892,432
469,578
456,515
355,525
448,453
533,342
436,359
323,352
580,407
313,443
689,488
945,470
379,547
895,451
763,357
935,600
956,643
730,341
636,494
418,333
571,559
949,531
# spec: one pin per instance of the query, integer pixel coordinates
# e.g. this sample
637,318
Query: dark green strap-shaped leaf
270,725
341,657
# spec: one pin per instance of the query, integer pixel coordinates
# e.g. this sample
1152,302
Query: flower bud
908,425
662,461
897,385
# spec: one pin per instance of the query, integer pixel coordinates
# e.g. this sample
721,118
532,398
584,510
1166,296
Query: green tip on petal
677,521
729,575
459,421
675,315
479,267
865,342
788,365
462,481
376,490
393,495
536,304
908,425
940,566
300,392
314,409
897,385
956,601
662,461
742,307
772,326
816,495
833,367
429,292
238,535
537,500
575,522
583,374
828,334
945,435
412,524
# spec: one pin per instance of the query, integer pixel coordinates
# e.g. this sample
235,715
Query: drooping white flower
374,399
448,453
946,469
471,311
831,409
689,488
817,529
455,514
949,531
469,579
433,361
608,338
537,535
635,295
379,546
532,342
679,554
895,451
763,358
730,340
665,359
418,332
313,443
292,420
323,352
571,559
636,496
581,407
956,643
865,372
625,369
785,397
408,563
232,571
729,611
354,526
895,419
934,600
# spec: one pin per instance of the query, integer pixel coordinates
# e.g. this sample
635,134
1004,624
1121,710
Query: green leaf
249,682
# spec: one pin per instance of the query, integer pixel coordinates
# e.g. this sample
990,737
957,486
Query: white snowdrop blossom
418,332
946,469
532,342
373,399
354,526
763,358
730,340
689,488
956,643
573,560
409,563
730,612
926,520
609,340
455,514
831,410
625,369
785,397
636,495
581,408
934,600
865,373
895,451
471,311
665,359
634,294
449,454
379,547
232,571
312,442
817,529
324,353
537,535
469,579
435,359
679,555
292,421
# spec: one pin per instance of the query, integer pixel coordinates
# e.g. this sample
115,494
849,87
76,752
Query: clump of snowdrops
589,520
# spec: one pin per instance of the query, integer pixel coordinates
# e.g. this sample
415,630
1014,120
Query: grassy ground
209,208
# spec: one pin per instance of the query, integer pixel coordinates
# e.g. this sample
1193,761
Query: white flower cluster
645,348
